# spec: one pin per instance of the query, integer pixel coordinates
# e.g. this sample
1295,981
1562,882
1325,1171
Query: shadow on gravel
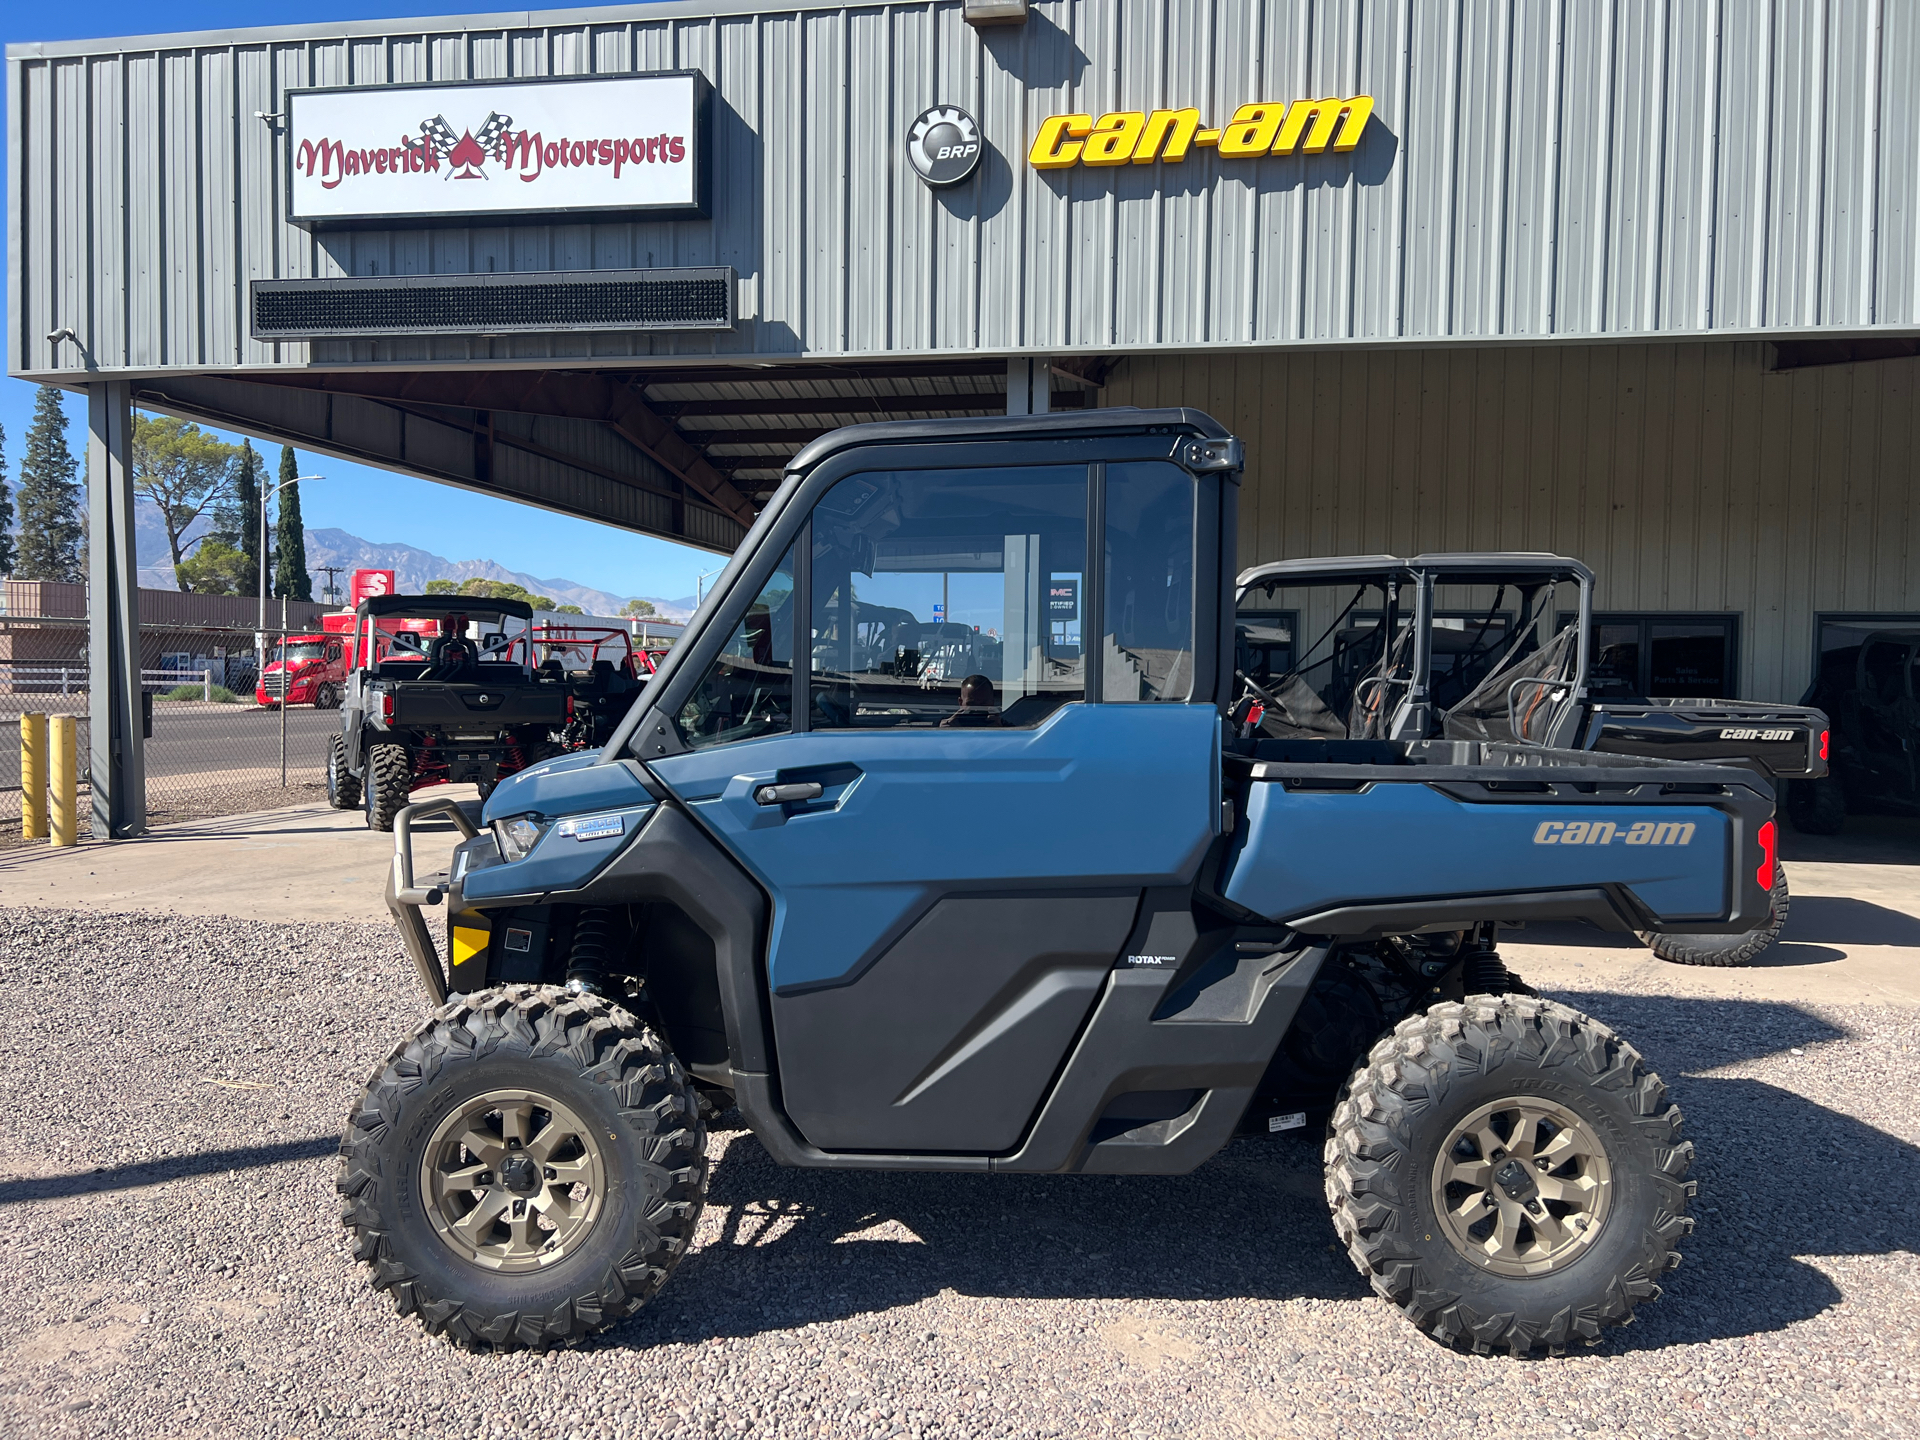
802,1246
1843,920
1780,1177
158,1172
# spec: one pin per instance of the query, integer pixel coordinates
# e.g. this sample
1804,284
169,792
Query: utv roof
1501,567
1327,570
1064,424
1490,567
423,606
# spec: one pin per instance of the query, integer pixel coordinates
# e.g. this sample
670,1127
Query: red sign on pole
369,582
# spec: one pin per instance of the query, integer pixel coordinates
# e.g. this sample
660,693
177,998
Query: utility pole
330,571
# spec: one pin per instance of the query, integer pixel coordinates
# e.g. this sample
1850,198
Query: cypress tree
51,524
249,470
290,577
6,511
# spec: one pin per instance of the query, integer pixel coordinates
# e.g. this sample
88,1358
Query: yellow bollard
63,757
33,777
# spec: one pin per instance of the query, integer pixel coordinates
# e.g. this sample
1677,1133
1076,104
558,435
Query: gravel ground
172,1264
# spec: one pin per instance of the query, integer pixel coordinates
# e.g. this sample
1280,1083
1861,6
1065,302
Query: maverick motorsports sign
1135,137
453,153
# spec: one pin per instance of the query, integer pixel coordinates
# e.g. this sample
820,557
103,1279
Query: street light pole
260,634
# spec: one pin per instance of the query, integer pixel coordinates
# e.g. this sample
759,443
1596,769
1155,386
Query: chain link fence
212,750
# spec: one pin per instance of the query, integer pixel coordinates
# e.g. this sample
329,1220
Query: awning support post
116,753
1029,385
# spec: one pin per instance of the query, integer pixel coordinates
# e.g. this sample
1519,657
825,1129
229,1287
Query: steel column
116,754
1029,386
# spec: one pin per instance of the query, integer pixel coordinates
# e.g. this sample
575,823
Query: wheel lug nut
552,1174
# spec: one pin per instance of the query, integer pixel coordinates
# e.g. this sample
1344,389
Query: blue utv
933,846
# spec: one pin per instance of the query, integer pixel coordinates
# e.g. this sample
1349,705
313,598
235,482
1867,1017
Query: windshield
296,651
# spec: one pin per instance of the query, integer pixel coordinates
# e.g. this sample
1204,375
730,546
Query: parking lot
173,1265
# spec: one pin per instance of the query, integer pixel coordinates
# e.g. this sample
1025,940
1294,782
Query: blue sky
372,504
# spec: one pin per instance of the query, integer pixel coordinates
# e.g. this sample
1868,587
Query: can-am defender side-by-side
459,702
1478,653
1047,915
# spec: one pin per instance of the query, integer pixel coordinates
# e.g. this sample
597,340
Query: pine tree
51,525
6,511
290,577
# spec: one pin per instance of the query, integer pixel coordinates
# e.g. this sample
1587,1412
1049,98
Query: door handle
787,794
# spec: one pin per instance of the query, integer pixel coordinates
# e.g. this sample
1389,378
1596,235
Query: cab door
956,859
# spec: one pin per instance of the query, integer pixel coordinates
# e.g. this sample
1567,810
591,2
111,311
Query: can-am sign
431,154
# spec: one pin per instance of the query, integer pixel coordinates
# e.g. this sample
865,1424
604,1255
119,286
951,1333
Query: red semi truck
312,669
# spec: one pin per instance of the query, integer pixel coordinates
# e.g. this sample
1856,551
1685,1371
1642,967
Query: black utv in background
1872,691
456,698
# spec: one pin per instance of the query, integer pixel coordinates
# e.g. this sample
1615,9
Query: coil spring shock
597,935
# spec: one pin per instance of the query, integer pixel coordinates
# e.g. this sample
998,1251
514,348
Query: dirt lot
171,1263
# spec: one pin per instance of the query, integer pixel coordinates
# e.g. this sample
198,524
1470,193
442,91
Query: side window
1146,645
948,598
748,691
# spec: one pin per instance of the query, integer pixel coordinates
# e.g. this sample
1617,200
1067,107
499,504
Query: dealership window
948,598
1658,656
1264,642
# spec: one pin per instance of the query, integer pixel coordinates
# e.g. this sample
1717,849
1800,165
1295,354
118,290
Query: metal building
1635,280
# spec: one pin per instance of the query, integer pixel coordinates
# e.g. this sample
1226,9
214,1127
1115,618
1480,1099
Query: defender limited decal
1605,832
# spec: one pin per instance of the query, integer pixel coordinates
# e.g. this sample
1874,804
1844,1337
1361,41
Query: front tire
326,697
527,1169
1469,1114
388,778
343,786
1725,949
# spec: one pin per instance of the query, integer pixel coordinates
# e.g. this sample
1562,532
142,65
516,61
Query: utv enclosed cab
929,848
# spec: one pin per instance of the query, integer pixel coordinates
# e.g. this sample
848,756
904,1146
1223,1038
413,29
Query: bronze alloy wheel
512,1181
1522,1187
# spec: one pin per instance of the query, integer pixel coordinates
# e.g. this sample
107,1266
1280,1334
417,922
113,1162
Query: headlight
517,836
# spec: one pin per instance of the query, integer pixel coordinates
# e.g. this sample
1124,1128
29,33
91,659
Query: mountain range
412,567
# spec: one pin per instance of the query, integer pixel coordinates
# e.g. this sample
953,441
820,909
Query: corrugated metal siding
1687,475
1536,168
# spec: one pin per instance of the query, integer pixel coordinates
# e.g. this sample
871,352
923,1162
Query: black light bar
690,298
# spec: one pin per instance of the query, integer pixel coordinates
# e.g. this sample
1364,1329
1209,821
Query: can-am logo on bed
416,154
1605,832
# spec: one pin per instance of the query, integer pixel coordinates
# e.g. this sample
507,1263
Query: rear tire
576,1066
1725,949
1408,1125
343,786
388,779
1817,807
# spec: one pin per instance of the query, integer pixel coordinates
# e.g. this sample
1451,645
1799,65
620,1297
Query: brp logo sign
944,145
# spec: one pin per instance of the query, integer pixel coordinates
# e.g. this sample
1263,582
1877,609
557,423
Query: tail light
1764,875
386,710
1823,744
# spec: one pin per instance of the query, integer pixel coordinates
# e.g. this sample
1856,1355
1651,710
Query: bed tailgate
1357,850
